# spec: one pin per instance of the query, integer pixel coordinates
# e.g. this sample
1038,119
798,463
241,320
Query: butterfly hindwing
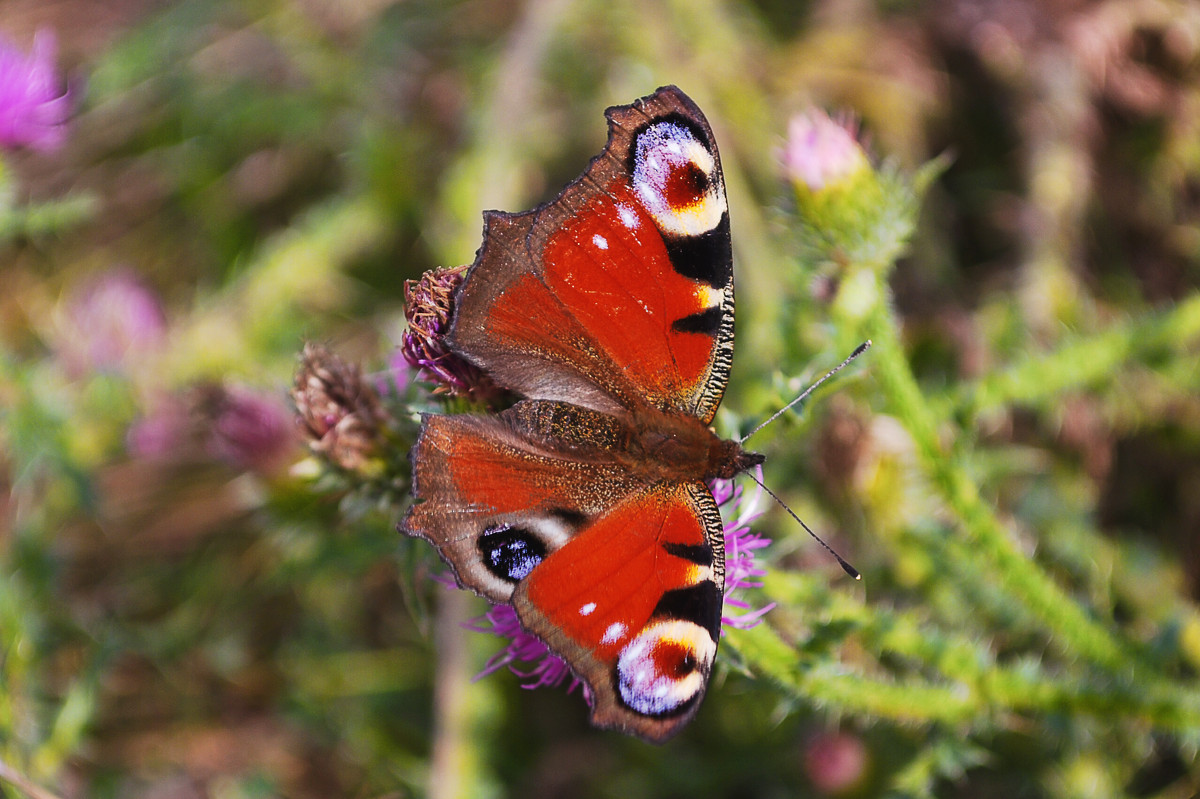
620,291
624,580
633,603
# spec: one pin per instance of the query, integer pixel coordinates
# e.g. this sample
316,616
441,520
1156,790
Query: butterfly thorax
680,447
649,443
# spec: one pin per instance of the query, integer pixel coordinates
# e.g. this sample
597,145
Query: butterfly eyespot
676,178
685,665
663,670
685,186
511,553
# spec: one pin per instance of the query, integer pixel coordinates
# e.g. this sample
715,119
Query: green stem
1071,629
995,690
771,657
45,219
23,784
1082,362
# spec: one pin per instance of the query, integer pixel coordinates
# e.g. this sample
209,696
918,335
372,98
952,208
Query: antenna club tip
866,345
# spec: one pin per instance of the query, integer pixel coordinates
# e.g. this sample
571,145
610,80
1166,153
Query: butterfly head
728,459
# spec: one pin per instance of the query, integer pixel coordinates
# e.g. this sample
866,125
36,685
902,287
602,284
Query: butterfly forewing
622,284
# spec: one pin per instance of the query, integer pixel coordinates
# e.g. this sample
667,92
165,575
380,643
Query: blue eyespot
511,553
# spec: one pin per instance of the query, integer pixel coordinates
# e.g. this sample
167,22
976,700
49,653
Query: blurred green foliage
1014,467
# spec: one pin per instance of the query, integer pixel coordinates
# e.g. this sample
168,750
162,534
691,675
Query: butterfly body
648,444
586,504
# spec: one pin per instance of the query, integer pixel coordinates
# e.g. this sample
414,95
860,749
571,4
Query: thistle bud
854,216
836,189
339,412
822,153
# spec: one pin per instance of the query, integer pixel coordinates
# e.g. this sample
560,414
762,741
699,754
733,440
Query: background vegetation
1015,467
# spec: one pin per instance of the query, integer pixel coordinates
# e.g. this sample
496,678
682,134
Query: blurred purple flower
526,656
401,373
836,762
163,433
821,151
33,106
251,429
245,428
109,324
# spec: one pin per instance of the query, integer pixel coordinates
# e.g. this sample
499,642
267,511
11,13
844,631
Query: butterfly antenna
846,567
866,345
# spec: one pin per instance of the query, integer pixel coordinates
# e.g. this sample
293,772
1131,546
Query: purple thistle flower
428,306
530,659
741,546
33,109
547,669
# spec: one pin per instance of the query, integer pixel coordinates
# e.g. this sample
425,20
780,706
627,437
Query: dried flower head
529,658
339,412
33,106
428,306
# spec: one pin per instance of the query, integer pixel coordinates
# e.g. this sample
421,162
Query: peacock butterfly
586,504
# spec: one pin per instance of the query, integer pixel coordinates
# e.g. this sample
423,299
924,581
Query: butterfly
586,505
